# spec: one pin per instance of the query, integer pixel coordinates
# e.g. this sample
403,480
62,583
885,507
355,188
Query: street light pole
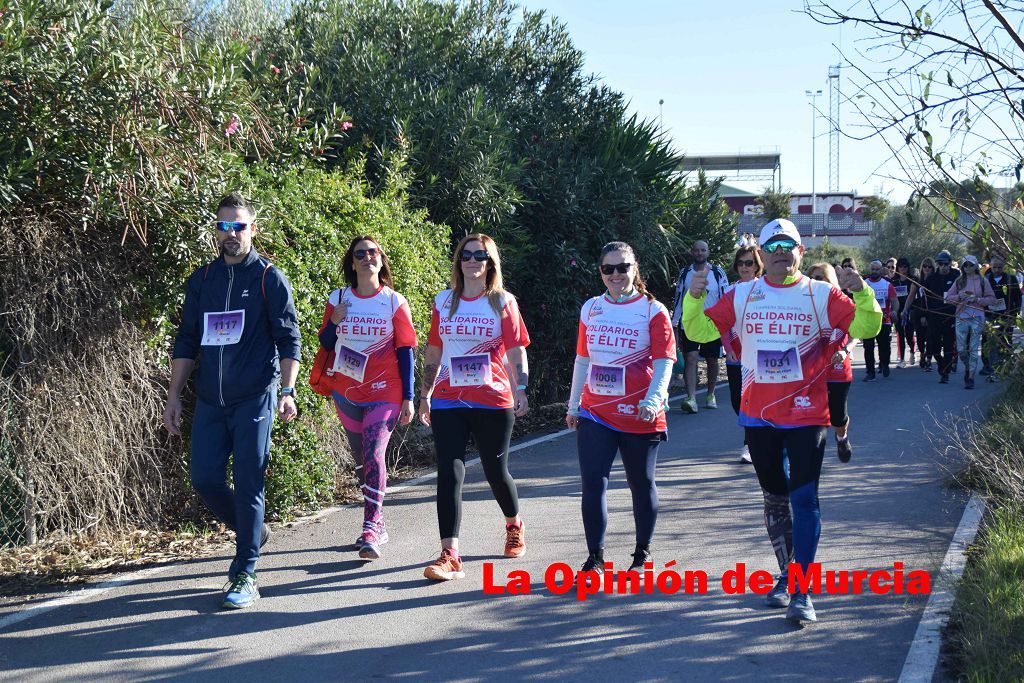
661,104
814,147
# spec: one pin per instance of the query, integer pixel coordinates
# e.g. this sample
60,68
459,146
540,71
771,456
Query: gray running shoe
801,609
779,597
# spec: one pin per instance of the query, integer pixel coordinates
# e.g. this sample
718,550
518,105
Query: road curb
923,657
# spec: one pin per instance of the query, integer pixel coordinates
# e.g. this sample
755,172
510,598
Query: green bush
507,134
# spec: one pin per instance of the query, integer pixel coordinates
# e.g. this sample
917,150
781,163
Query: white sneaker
745,454
900,364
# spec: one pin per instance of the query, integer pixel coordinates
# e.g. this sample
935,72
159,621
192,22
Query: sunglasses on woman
609,268
228,226
749,263
817,277
360,254
479,255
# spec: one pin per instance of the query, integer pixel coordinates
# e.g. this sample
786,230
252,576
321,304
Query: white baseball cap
780,227
971,259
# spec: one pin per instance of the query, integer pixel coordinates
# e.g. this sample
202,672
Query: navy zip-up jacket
238,372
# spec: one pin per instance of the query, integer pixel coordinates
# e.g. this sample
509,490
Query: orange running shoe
515,539
445,568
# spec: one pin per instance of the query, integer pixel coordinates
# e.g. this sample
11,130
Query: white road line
100,588
79,595
923,657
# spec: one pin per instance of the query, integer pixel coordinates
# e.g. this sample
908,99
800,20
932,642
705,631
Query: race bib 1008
223,329
777,366
607,380
350,363
471,371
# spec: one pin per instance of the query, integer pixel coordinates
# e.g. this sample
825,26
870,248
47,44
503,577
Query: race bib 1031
777,366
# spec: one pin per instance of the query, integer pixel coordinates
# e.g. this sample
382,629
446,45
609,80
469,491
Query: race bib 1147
471,371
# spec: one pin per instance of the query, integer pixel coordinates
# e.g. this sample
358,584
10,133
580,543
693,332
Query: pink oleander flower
572,263
345,125
275,69
233,126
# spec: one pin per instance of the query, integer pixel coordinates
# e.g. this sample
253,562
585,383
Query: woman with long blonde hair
467,389
840,375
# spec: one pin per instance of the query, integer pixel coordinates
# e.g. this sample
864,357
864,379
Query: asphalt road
326,615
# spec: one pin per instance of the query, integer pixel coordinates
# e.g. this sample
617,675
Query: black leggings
942,341
492,431
920,322
735,375
791,511
837,394
904,337
597,446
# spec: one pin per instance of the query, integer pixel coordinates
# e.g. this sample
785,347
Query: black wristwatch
287,391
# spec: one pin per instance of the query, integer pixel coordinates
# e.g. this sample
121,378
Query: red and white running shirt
787,337
884,291
365,364
622,339
473,343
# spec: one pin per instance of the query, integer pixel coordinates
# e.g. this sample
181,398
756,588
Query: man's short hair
236,200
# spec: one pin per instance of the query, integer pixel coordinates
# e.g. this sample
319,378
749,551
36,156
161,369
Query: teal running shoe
242,592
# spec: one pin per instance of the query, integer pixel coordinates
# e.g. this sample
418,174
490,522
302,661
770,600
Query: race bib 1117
223,329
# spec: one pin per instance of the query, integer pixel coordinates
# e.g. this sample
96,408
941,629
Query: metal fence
14,509
815,224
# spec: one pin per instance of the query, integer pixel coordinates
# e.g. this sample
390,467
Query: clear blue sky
732,74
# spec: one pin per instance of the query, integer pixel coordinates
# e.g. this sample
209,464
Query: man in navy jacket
239,322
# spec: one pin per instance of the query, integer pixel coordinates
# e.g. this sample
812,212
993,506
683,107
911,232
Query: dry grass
81,398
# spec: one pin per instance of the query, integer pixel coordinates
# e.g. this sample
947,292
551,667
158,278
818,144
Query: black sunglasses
360,254
609,268
819,278
749,263
479,255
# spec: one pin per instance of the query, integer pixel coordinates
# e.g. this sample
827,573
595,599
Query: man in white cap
788,327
